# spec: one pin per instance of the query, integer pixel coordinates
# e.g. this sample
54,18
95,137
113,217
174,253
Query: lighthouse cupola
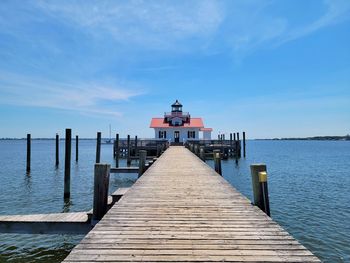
176,107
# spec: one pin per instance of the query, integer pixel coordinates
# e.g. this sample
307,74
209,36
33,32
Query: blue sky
270,68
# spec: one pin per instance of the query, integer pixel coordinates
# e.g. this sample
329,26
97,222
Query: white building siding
206,135
183,132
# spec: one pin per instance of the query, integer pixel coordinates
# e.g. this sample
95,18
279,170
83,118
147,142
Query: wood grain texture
181,210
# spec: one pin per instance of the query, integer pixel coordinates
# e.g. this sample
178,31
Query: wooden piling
76,148
98,148
158,149
135,148
225,153
196,149
244,144
163,147
128,156
101,184
265,192
238,146
217,161
67,160
28,152
117,150
202,153
236,143
114,142
257,191
57,149
142,161
230,139
234,136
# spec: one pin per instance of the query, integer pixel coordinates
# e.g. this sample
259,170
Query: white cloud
255,27
85,98
243,26
337,11
182,27
151,24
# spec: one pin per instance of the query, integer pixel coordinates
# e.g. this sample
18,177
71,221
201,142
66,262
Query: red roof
194,123
206,129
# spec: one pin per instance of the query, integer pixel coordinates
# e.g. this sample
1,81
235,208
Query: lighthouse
178,126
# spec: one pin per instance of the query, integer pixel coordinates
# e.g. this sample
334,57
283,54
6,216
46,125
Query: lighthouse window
162,134
191,134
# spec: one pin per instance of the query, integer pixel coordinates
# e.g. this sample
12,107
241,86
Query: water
41,191
309,183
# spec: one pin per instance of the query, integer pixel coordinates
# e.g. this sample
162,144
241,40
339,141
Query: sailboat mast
110,132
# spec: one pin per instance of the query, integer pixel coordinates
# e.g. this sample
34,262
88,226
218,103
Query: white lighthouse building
178,126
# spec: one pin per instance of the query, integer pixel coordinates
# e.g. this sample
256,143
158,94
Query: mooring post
128,156
135,148
230,139
57,149
225,153
163,147
265,192
238,146
98,148
158,149
101,184
234,136
117,150
114,149
196,149
202,153
28,152
142,161
217,161
67,160
255,169
244,144
76,148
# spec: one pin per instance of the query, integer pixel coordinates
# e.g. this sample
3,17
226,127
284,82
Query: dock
181,210
78,223
59,223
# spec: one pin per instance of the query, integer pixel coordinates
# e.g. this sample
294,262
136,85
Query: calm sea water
309,186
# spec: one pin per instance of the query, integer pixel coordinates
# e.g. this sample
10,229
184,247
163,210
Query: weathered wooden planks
180,210
60,223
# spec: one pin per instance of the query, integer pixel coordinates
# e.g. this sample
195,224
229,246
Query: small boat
109,141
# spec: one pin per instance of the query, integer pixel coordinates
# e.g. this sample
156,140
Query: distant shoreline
315,138
46,139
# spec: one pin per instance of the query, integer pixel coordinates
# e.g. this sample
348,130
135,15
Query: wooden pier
57,223
181,210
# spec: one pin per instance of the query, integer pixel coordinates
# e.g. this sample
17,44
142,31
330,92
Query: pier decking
180,210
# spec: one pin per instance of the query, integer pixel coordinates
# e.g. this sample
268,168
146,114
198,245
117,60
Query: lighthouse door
176,136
